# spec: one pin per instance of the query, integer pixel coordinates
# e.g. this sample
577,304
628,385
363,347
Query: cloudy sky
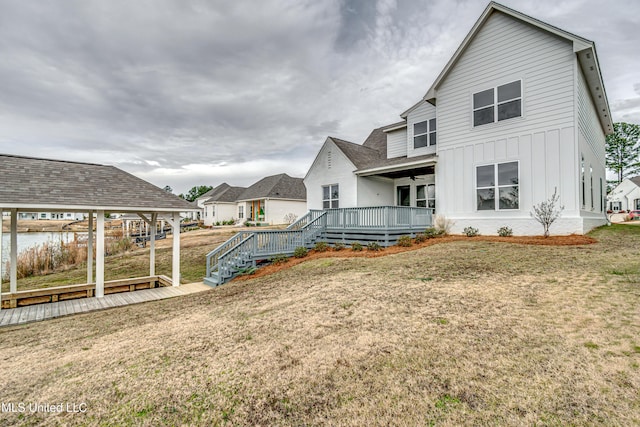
185,93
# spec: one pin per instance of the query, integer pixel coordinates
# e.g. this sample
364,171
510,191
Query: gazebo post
175,269
13,274
90,250
152,245
100,254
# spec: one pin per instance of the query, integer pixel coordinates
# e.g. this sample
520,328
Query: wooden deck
36,313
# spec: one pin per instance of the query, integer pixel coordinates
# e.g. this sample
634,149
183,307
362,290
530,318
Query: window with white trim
591,185
424,134
426,196
241,211
499,179
601,198
497,104
583,192
330,196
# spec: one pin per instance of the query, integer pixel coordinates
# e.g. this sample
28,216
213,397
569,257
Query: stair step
212,280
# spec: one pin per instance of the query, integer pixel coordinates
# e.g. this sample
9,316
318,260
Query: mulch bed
571,240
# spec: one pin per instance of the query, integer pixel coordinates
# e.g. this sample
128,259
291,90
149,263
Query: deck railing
379,217
248,246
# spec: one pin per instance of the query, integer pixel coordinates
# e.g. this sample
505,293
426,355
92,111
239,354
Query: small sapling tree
547,212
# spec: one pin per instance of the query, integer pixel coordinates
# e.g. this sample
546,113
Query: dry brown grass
468,332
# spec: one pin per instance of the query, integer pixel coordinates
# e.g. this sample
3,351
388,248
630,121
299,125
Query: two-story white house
519,111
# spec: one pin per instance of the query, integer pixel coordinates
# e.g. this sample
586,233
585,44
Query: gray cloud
198,91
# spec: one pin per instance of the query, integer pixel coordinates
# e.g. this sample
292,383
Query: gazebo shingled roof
33,182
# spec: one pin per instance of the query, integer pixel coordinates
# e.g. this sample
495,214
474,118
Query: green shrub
247,224
247,271
373,246
321,247
505,231
356,246
404,241
471,231
432,232
421,237
300,252
279,259
338,246
217,222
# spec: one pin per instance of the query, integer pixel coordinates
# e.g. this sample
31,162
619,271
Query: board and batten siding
591,143
543,140
424,111
331,166
397,143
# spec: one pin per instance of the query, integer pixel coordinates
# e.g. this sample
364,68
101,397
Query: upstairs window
330,196
489,108
424,134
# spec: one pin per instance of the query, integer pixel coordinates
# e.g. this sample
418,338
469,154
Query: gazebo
31,184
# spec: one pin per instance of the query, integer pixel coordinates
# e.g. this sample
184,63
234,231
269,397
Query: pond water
29,240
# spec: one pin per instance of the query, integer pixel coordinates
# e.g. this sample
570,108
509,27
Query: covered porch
407,184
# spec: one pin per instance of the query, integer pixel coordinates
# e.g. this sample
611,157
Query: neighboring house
222,204
198,203
519,111
68,216
274,200
625,196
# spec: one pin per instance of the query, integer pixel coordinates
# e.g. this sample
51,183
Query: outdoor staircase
380,224
242,251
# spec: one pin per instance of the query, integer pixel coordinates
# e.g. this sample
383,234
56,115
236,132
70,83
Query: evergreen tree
622,150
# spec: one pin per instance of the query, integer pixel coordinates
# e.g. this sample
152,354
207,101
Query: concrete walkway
38,312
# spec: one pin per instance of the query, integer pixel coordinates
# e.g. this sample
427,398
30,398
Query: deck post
90,250
100,254
13,273
152,245
175,270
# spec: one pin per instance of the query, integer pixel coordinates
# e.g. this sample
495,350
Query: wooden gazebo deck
38,312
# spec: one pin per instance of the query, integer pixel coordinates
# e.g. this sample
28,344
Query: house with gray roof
276,199
518,112
625,196
221,204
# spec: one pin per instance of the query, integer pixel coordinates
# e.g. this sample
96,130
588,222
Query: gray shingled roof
373,151
30,182
280,186
635,180
225,193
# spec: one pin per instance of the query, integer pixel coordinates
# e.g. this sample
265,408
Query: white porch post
13,274
152,245
90,249
175,270
100,254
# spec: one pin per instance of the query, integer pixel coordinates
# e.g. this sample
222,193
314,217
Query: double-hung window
424,133
241,212
330,196
497,104
497,186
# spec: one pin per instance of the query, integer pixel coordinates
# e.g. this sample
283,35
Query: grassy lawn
466,332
